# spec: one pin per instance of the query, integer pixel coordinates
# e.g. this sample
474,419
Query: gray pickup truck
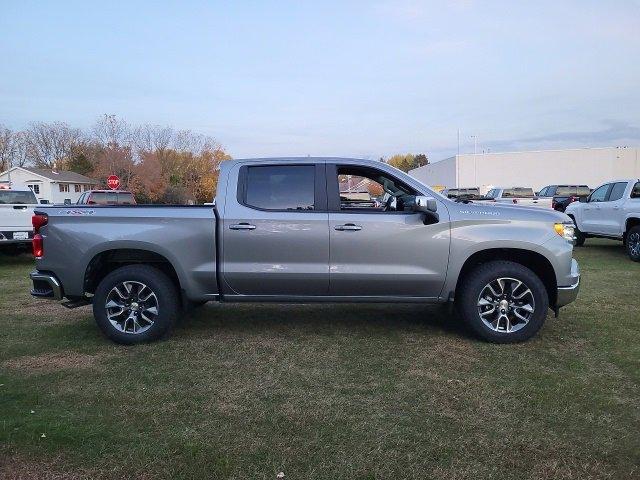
307,230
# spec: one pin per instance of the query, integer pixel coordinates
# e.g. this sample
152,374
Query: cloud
615,131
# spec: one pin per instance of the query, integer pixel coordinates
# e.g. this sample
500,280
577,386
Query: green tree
408,161
79,162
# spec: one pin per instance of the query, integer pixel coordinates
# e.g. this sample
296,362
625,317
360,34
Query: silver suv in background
611,211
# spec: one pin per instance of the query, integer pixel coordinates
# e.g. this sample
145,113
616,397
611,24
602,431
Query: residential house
51,185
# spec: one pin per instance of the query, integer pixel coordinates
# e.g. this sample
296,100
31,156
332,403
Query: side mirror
583,199
425,204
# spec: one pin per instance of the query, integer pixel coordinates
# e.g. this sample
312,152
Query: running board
76,303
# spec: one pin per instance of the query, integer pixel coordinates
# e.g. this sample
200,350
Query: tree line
159,164
407,161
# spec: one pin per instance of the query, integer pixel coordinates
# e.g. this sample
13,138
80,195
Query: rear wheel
503,302
135,304
633,243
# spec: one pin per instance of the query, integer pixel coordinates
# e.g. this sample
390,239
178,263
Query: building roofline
543,151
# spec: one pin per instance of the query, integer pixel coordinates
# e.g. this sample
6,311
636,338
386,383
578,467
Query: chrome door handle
242,226
349,227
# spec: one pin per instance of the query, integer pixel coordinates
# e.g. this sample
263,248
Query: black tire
476,282
633,243
164,300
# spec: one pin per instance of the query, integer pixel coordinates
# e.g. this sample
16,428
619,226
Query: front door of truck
379,247
612,211
592,220
275,231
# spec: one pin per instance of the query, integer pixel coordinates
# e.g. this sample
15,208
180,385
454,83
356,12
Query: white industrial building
51,185
587,166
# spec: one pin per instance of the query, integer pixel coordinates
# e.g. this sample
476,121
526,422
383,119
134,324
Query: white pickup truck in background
523,196
16,210
611,211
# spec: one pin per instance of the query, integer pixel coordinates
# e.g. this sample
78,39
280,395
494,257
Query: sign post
113,182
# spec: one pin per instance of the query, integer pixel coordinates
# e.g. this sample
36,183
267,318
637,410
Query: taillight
37,245
553,204
38,220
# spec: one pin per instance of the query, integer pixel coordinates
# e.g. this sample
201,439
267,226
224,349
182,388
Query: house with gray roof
55,186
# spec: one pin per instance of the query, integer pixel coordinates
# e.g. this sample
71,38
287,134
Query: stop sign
113,182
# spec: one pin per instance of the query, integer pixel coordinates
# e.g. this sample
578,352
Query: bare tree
7,139
111,132
153,138
49,144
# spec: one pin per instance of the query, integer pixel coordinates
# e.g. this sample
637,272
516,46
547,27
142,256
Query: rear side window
635,193
282,187
617,191
17,198
518,192
98,198
126,199
565,191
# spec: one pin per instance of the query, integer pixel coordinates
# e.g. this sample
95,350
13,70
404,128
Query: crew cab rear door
275,238
379,247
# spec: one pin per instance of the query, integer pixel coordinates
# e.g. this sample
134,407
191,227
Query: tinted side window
543,192
617,191
126,199
566,191
635,193
280,187
600,193
99,198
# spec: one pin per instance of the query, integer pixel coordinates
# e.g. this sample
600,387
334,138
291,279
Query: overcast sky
332,77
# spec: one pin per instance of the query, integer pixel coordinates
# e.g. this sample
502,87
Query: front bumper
566,295
46,285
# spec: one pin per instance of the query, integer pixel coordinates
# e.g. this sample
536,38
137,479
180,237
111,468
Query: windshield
493,193
12,197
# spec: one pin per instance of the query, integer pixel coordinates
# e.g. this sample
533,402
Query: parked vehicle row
524,196
290,230
611,211
563,195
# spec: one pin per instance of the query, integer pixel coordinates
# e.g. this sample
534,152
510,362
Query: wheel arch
535,261
106,261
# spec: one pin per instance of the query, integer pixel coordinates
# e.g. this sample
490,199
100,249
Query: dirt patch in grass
49,362
14,467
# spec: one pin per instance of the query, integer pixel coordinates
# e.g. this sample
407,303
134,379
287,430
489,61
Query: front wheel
503,302
135,304
633,243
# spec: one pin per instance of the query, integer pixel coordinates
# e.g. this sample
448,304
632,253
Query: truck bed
183,235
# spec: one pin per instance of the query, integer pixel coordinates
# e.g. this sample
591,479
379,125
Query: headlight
565,230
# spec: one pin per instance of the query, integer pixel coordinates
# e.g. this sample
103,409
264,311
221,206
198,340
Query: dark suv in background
563,195
107,197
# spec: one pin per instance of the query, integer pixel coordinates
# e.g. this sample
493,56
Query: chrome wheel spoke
131,307
506,305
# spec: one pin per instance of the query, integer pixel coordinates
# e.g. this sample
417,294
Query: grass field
335,392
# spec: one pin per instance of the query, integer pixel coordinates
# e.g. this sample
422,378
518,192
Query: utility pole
458,141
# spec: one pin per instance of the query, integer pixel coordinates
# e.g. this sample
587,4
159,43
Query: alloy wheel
131,307
506,305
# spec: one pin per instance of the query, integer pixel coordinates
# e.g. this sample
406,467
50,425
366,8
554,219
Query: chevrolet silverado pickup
307,230
611,211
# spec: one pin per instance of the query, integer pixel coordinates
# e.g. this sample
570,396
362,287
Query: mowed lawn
335,392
